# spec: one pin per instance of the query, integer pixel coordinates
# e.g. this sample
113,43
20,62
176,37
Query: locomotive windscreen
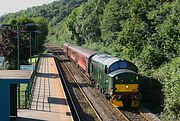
118,65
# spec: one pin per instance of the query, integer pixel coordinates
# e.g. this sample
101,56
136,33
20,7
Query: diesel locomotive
118,79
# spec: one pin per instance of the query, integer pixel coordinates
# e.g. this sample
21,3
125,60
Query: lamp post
18,36
30,47
37,44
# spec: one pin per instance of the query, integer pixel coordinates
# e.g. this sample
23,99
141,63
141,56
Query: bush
169,75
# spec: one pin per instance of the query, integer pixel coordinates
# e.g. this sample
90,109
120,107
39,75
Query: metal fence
26,90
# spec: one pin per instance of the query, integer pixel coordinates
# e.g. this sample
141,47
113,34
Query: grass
22,95
33,60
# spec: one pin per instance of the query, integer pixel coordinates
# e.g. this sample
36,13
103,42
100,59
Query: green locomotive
117,79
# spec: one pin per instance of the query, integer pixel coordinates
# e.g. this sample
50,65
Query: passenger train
118,79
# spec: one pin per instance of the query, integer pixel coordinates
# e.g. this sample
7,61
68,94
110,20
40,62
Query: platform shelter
8,90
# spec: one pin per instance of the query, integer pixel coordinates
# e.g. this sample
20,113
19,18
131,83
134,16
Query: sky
9,6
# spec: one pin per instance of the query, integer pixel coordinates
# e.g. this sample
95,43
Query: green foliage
20,21
114,12
146,32
53,12
42,26
84,22
169,75
151,57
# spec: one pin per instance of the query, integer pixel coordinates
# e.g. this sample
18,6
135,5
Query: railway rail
132,115
73,107
110,112
82,96
113,112
135,115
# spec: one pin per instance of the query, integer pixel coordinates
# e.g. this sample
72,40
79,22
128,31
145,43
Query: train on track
118,79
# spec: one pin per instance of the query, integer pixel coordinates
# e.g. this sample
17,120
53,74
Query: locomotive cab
124,88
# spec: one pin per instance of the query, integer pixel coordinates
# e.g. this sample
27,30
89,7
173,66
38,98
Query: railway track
128,115
113,112
108,112
88,108
135,115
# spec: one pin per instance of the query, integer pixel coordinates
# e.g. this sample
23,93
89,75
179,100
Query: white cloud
7,6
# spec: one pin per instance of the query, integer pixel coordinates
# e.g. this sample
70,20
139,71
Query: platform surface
49,100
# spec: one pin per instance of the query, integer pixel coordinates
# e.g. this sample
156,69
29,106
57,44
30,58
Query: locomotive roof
119,71
85,52
106,59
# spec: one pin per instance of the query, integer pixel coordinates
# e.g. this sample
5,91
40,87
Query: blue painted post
4,102
13,100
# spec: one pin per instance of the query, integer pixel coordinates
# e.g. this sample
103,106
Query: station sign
27,67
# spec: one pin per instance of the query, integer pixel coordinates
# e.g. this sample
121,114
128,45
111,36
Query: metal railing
27,93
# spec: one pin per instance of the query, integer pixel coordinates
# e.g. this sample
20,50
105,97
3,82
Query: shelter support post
4,102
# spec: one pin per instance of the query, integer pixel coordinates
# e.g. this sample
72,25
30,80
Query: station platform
49,102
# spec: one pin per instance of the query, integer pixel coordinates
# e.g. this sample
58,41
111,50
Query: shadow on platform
53,100
24,119
47,75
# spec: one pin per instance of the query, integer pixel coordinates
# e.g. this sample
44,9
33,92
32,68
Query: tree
9,44
20,31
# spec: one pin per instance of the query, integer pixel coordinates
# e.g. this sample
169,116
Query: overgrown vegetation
53,12
169,75
20,31
144,32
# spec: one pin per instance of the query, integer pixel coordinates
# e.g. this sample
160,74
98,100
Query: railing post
19,102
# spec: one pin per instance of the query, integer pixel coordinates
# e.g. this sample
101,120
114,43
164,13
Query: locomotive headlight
127,86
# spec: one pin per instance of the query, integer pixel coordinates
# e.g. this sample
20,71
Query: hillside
53,12
144,32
